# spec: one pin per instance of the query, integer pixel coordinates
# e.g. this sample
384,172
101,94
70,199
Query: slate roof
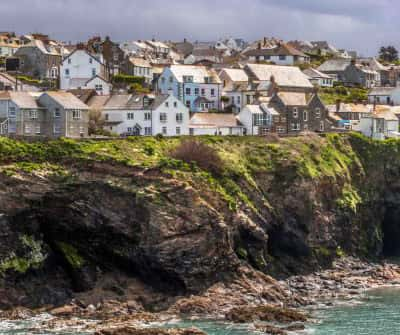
293,98
285,76
314,73
281,49
23,100
334,65
236,75
139,62
198,73
214,120
98,101
67,100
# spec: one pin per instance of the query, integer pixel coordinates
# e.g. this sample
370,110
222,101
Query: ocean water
378,313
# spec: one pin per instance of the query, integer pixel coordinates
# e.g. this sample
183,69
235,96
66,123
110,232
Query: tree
389,54
96,122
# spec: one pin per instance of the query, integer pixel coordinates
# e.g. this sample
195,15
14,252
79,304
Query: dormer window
188,79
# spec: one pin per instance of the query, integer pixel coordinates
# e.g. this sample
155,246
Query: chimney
353,61
259,46
184,40
338,103
265,41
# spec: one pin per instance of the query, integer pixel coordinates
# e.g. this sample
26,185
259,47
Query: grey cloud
354,24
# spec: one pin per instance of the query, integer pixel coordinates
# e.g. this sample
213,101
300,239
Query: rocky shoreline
274,307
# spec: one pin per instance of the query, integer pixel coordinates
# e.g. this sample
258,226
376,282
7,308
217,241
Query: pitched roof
334,65
281,49
139,62
98,101
236,75
67,100
314,73
23,100
284,76
293,98
197,72
381,91
184,48
159,100
213,120
84,94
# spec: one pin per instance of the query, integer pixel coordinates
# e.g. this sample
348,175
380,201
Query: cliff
74,213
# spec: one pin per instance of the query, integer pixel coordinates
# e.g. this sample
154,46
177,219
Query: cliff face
74,212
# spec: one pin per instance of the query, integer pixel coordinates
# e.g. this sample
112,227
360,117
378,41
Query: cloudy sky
363,25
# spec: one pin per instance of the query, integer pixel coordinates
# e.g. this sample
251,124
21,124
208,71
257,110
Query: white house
281,54
380,124
257,117
198,87
100,85
79,67
139,67
385,95
143,115
235,82
318,78
221,124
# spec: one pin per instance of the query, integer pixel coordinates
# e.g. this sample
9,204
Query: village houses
80,69
142,115
49,114
198,87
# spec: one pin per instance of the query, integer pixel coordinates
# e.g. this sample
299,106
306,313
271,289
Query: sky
362,25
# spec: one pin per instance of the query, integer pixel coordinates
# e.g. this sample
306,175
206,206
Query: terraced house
198,87
51,114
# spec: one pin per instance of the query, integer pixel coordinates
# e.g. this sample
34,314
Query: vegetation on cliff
183,213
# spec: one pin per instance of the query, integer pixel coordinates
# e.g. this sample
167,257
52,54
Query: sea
376,313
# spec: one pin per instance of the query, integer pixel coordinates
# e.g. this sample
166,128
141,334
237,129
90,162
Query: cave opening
391,232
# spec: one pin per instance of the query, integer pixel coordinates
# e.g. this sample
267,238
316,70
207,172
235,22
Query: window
130,130
163,117
130,116
295,113
37,129
280,130
305,127
164,130
305,116
238,100
99,88
56,129
203,91
67,72
188,91
191,131
28,129
188,103
93,72
12,112
213,92
147,116
106,117
179,117
175,104
317,113
282,57
32,115
233,100
69,60
187,79
90,60
260,119
196,91
171,79
295,126
147,131
82,130
163,80
248,99
167,104
178,130
76,114
57,113
321,126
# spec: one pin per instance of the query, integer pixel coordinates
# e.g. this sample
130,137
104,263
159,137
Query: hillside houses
80,69
50,114
198,87
281,54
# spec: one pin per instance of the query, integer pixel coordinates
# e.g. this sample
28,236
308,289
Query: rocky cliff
92,216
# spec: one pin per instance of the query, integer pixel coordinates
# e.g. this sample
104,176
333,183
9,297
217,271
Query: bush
192,151
127,79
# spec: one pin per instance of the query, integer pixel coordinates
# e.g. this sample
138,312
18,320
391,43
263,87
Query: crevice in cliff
391,232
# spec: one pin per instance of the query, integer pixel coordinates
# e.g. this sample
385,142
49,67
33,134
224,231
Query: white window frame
57,113
76,114
32,114
164,130
57,129
163,117
130,116
147,116
178,131
179,117
318,113
305,116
